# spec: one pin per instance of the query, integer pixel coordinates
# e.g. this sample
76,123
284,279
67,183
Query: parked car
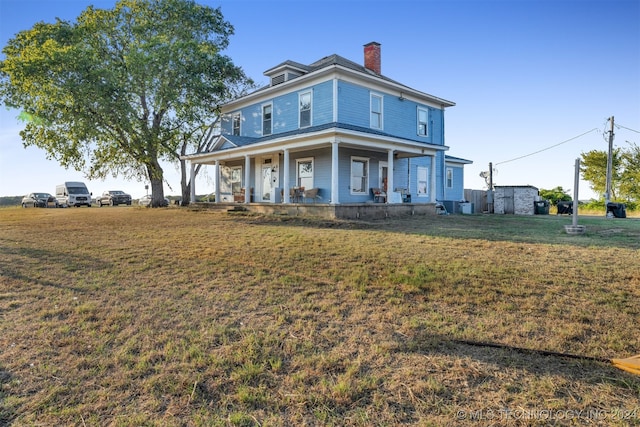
114,198
39,200
146,201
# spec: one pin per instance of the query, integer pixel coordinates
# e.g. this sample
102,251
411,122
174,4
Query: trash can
618,210
565,208
541,207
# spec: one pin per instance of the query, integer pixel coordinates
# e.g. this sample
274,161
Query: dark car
39,200
113,198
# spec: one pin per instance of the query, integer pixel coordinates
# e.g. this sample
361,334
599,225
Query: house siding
339,95
457,191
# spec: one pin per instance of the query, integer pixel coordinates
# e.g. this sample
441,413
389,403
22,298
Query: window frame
421,124
449,177
239,184
270,120
422,191
236,118
309,110
305,160
365,178
379,115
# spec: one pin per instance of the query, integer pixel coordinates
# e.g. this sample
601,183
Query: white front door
270,179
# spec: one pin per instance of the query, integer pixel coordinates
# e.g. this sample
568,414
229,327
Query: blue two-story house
343,132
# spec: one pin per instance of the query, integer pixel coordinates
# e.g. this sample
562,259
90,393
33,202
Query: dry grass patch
129,316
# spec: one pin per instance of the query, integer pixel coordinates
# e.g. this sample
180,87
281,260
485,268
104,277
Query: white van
73,193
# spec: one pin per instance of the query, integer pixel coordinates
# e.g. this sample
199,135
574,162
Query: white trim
365,185
300,95
420,109
262,107
233,123
341,73
446,177
373,95
233,169
382,165
313,171
422,190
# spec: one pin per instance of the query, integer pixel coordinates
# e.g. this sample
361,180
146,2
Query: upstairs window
423,122
376,111
236,124
266,119
305,109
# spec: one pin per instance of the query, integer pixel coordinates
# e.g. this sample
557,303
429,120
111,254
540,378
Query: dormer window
286,71
276,80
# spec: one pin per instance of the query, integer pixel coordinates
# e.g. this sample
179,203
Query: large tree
120,90
625,174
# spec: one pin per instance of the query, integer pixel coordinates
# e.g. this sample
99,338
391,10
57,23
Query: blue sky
526,76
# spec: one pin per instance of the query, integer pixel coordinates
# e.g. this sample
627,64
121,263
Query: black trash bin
565,208
619,210
541,207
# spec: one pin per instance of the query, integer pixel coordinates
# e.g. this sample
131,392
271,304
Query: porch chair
312,194
379,196
295,194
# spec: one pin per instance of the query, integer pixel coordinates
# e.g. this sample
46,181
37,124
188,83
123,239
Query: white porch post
192,180
433,180
389,174
217,182
334,173
247,178
285,181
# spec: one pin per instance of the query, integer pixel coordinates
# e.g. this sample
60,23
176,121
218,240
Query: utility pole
490,193
607,193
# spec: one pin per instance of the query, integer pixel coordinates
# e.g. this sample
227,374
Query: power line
624,127
548,148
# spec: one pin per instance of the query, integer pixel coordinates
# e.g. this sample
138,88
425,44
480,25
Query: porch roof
314,137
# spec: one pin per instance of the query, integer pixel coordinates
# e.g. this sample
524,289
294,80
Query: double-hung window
305,109
423,122
305,172
359,175
236,124
266,119
449,178
376,111
236,179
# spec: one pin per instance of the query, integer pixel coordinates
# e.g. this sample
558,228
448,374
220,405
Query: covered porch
326,167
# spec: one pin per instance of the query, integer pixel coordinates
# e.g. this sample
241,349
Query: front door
270,179
382,174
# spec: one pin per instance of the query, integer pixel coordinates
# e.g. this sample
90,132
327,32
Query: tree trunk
155,173
185,184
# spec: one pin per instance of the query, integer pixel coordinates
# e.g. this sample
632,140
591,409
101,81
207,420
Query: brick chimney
372,57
